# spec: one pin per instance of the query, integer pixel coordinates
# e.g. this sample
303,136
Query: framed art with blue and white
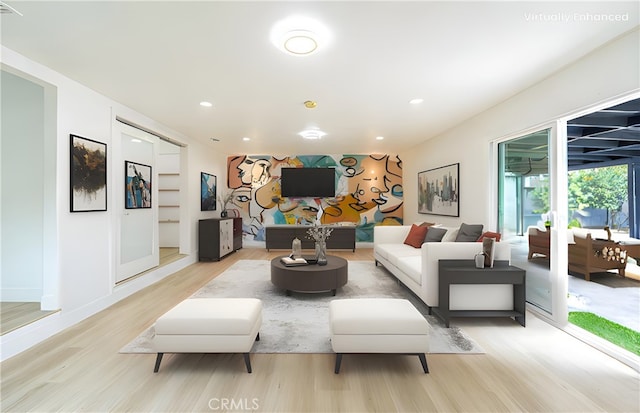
208,187
137,185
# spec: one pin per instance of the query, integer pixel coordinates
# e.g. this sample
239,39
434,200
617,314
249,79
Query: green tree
600,188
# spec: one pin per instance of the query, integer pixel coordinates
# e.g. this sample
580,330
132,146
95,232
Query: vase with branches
320,234
224,199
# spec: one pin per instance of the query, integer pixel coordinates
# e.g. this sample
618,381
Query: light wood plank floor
538,368
14,315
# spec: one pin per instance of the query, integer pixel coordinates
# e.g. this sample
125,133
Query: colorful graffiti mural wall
368,192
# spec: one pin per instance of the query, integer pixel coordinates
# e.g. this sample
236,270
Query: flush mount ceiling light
310,104
312,134
206,104
379,138
300,42
298,35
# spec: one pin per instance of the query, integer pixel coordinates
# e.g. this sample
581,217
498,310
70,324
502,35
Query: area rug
300,323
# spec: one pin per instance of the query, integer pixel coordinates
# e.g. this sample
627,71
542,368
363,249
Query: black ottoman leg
338,362
158,361
247,362
423,360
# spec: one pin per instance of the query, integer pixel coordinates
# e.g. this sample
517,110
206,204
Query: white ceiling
162,58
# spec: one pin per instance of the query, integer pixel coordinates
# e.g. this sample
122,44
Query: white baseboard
22,339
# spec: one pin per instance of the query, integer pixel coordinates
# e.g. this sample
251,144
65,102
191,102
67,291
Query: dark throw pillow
469,233
416,235
435,234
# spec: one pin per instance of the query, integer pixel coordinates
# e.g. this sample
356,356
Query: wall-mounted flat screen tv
308,182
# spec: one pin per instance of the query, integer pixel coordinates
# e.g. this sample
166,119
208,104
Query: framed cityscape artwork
439,191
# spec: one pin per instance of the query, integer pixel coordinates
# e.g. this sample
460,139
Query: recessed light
246,139
416,101
312,134
310,104
206,104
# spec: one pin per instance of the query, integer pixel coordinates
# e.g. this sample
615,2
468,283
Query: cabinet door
226,237
237,233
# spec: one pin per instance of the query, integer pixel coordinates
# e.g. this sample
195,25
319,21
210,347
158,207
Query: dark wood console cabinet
281,236
465,272
218,237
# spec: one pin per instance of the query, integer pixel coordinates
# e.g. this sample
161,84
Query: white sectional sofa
417,268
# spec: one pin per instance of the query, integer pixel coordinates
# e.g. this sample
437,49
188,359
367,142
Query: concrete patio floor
608,295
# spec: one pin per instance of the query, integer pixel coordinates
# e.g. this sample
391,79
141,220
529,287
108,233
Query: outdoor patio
607,295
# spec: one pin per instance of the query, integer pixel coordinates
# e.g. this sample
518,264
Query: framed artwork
208,187
88,175
439,191
137,184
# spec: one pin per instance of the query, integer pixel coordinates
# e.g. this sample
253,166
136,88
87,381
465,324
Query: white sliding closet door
136,202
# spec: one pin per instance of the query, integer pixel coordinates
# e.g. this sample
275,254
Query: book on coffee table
292,262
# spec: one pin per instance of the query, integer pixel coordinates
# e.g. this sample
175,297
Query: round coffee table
311,278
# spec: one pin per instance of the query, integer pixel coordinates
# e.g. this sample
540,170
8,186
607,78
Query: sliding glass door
524,208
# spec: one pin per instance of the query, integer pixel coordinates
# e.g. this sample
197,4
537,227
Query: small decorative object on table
293,262
320,234
224,199
479,258
296,248
488,250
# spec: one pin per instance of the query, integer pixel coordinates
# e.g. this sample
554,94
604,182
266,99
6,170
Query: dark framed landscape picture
137,184
208,187
439,191
88,175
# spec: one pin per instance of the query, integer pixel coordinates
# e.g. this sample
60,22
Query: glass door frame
558,205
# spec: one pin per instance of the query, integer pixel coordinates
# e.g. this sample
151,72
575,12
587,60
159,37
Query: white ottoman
377,325
209,325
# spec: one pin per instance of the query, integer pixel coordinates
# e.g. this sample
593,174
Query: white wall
607,73
80,271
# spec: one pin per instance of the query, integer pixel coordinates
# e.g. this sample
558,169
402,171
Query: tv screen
308,182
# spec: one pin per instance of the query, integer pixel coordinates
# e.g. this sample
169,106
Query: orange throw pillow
416,236
489,234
